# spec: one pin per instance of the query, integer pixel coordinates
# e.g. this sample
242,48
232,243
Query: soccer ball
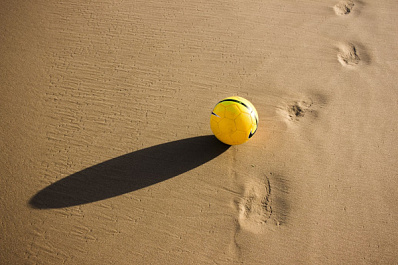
234,120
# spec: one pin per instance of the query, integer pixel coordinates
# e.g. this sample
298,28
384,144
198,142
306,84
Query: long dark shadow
129,172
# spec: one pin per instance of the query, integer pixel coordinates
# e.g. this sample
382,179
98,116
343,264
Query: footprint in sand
343,8
260,205
298,109
348,55
306,109
255,205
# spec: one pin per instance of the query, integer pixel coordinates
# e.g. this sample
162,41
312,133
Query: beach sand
106,149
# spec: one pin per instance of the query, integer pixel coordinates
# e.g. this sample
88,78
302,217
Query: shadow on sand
129,172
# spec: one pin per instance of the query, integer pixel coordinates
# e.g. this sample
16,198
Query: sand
107,156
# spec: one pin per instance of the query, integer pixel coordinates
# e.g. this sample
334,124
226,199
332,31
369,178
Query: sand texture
107,156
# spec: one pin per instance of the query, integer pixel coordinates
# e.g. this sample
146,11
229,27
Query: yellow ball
234,120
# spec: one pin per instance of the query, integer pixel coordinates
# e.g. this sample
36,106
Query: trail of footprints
264,201
348,54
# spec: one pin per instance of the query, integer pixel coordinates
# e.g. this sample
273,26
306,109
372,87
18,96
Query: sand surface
106,150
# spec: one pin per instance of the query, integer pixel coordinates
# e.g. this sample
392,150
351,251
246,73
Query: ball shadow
129,172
